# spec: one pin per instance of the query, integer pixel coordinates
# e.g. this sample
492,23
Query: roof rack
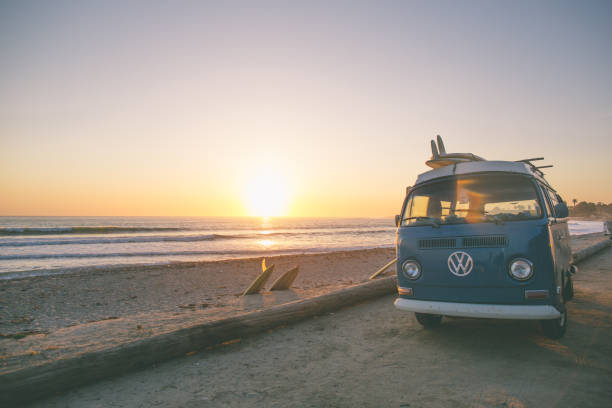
530,160
440,158
534,168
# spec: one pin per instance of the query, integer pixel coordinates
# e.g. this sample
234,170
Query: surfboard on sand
287,278
384,268
260,281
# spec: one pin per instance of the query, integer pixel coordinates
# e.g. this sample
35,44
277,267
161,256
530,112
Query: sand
47,318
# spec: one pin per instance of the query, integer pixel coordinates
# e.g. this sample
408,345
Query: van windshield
473,199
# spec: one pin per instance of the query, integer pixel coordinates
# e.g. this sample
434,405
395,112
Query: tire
568,289
429,321
555,328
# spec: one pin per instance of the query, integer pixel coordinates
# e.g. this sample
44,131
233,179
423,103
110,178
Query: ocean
47,245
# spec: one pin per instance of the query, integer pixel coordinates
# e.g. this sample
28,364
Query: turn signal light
536,294
404,291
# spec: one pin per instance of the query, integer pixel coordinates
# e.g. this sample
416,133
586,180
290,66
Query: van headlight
521,269
411,269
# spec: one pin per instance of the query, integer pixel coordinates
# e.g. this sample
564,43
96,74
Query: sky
317,108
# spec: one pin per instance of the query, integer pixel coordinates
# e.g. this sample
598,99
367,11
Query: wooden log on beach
590,251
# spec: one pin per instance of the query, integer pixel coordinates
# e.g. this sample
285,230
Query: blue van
484,239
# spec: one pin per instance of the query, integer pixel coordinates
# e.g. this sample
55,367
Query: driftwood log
590,251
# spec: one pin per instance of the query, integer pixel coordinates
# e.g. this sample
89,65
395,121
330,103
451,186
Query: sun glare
267,195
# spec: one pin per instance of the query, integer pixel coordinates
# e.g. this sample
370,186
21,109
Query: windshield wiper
434,222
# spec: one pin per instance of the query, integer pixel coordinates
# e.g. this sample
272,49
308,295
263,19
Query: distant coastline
589,211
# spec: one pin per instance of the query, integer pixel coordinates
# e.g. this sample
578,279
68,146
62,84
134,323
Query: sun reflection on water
267,243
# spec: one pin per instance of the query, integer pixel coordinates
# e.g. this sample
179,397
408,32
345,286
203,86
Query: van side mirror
561,210
397,220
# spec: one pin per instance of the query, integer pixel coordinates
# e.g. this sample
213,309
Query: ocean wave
113,240
314,233
585,227
106,255
241,253
178,238
12,231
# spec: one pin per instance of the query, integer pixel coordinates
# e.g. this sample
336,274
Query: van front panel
491,248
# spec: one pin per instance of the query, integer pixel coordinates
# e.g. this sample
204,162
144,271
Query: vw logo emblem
460,263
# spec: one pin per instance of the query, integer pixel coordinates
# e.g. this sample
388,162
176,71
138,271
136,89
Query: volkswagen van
484,239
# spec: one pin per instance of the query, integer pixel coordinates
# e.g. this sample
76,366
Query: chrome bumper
524,312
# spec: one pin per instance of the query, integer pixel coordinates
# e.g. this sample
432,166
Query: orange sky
109,110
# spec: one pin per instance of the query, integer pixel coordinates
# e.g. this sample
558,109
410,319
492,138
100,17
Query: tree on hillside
587,209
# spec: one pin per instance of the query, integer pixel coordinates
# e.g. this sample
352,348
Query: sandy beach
51,317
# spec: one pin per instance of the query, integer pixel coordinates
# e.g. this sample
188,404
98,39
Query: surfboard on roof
447,164
440,158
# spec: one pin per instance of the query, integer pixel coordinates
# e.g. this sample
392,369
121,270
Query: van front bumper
525,312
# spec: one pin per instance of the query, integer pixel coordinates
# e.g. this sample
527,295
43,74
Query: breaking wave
82,230
177,238
183,253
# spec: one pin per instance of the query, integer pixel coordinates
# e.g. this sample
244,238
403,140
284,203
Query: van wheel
555,329
429,321
568,289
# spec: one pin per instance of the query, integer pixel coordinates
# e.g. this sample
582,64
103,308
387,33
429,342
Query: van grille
485,242
493,241
436,243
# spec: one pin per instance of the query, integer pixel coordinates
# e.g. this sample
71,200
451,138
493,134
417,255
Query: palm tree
574,201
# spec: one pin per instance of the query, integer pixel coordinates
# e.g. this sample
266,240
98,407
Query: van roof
485,166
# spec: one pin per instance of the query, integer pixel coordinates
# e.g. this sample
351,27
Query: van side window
547,201
554,200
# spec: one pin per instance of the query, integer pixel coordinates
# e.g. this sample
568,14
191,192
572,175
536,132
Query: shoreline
37,273
590,218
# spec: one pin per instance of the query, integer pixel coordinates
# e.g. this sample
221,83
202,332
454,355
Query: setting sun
267,194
